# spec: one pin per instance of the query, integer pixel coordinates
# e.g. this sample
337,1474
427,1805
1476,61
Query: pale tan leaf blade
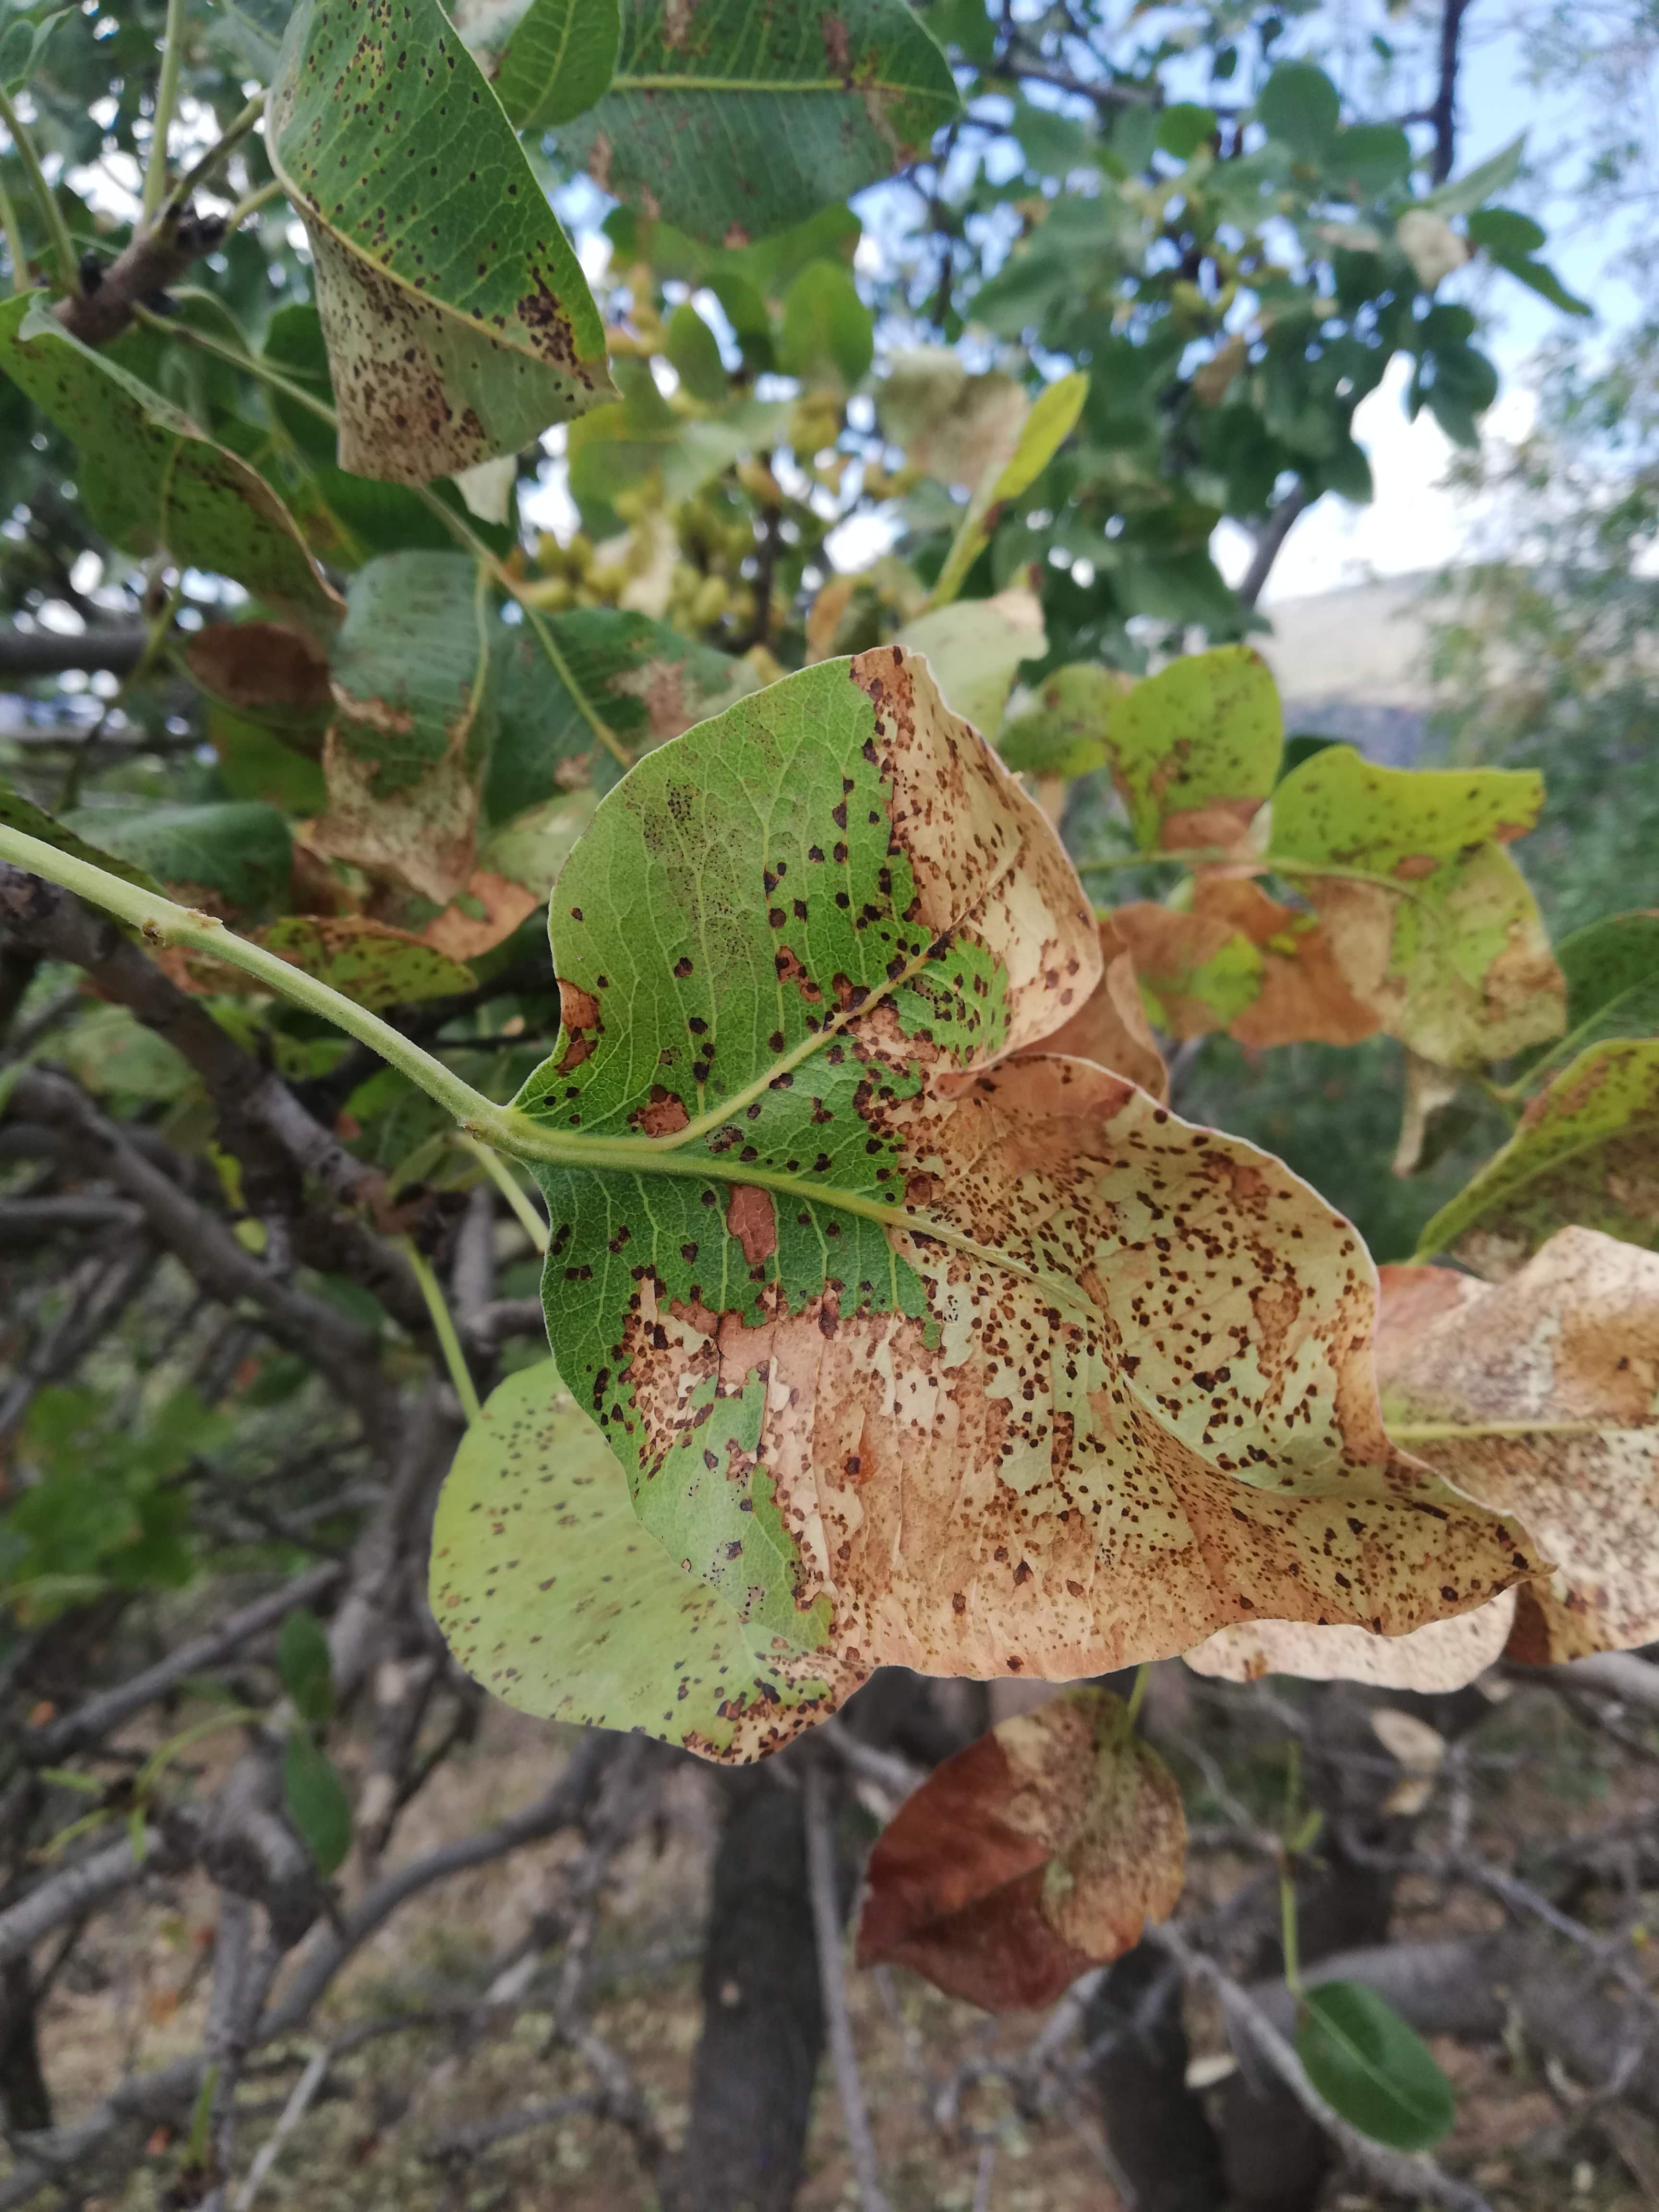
1442,1655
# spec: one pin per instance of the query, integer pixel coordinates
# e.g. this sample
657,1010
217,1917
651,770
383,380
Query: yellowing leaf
1010,469
1039,1852
975,650
1566,1352
376,966
1238,960
458,319
1112,1029
1065,733
1429,918
1194,750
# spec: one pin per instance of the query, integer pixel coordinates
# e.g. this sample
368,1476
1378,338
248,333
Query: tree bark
1154,2124
24,2097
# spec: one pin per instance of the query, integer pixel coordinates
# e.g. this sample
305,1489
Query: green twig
228,139
166,99
1138,1695
251,203
443,1323
62,245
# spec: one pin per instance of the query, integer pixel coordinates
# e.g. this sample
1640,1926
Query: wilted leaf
265,673
1112,1029
458,319
411,670
1445,941
643,680
151,481
549,60
923,1347
1238,960
231,858
487,907
951,425
1039,1852
1371,2067
1587,1150
738,120
1064,733
559,1603
1442,1655
376,966
975,650
316,1801
1571,1344
1193,751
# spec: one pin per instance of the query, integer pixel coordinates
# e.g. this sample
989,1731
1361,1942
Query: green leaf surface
737,118
1462,195
883,1352
377,966
1300,106
17,812
1371,2067
1587,1151
1194,750
1012,470
555,1598
235,857
317,1801
695,351
303,1664
412,670
1369,157
1064,733
151,481
1610,969
826,326
458,319
558,61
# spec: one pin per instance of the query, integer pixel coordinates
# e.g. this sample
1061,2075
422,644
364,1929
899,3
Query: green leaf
151,481
735,119
17,812
1370,157
558,60
1371,2067
1010,471
853,1325
1300,106
1611,969
1193,751
1464,194
1432,921
412,675
553,1596
1587,1151
317,1801
23,42
376,965
622,445
1503,231
1538,277
646,681
695,351
306,1669
1064,734
826,325
458,322
1182,128
233,857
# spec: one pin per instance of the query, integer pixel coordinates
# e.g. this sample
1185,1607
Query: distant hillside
1353,664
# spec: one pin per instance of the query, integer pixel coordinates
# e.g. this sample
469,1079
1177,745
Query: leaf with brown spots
376,966
412,671
1013,1372
1039,1852
266,674
1193,751
1113,1029
458,319
735,118
1560,1366
975,649
1427,917
1238,960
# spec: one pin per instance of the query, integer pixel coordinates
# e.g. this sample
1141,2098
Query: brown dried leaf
1572,1339
487,908
266,673
1113,1029
1041,1850
1442,1655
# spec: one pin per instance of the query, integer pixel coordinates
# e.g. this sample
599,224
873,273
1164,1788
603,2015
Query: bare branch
91,1883
1269,540
113,645
1444,113
838,2026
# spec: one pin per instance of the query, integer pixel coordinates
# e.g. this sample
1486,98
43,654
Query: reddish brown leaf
1113,1029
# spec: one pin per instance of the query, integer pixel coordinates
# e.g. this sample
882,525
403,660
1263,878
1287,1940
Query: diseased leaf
458,319
951,425
975,650
1587,1150
1112,1029
1571,1343
1442,1655
412,678
267,673
377,966
17,812
555,1598
549,61
486,909
737,119
231,858
1064,733
921,1346
644,681
151,481
1238,960
1193,751
1446,943
1039,1852
1371,2067
1611,969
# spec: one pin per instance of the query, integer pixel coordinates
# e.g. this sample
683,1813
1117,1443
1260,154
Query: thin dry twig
838,2027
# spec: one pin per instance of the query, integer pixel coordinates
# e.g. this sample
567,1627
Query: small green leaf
826,325
1064,734
237,854
1010,471
151,481
1464,194
1503,230
738,121
1299,106
558,60
1182,128
695,351
316,1800
1371,2067
458,322
1370,157
303,1664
